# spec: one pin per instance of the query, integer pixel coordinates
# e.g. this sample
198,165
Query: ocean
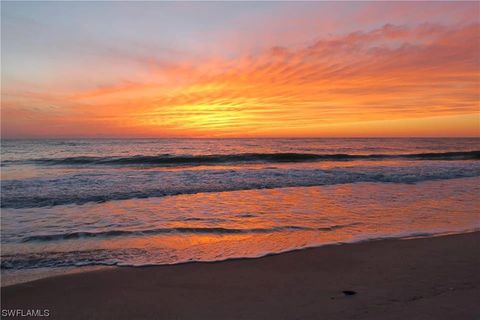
69,204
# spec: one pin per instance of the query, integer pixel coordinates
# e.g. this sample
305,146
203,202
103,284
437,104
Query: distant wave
118,233
182,160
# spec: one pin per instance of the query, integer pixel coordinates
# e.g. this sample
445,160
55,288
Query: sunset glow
240,69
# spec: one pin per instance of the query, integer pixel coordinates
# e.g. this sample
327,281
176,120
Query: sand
429,278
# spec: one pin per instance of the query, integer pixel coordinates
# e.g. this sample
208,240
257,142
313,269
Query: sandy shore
431,278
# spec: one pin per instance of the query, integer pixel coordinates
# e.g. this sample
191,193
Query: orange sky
377,76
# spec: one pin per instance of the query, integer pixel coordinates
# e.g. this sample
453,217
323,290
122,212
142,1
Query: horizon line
238,138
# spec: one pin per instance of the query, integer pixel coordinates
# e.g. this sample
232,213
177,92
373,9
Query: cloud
393,72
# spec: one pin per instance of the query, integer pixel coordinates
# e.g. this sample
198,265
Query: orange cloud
334,86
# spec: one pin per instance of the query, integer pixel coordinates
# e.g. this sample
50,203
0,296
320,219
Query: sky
239,69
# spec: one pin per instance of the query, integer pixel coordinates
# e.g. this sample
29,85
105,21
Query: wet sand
429,278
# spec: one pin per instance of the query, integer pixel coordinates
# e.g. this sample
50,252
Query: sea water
136,202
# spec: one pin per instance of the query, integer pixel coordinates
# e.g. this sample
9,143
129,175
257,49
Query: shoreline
30,275
436,277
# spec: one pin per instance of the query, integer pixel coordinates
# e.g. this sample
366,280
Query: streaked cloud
332,84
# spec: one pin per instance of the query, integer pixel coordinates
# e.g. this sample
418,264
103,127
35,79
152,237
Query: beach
423,278
240,160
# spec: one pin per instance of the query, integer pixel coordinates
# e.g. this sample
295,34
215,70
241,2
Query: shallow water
141,202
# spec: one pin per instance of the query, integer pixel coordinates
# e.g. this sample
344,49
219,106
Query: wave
182,160
80,188
139,257
118,233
